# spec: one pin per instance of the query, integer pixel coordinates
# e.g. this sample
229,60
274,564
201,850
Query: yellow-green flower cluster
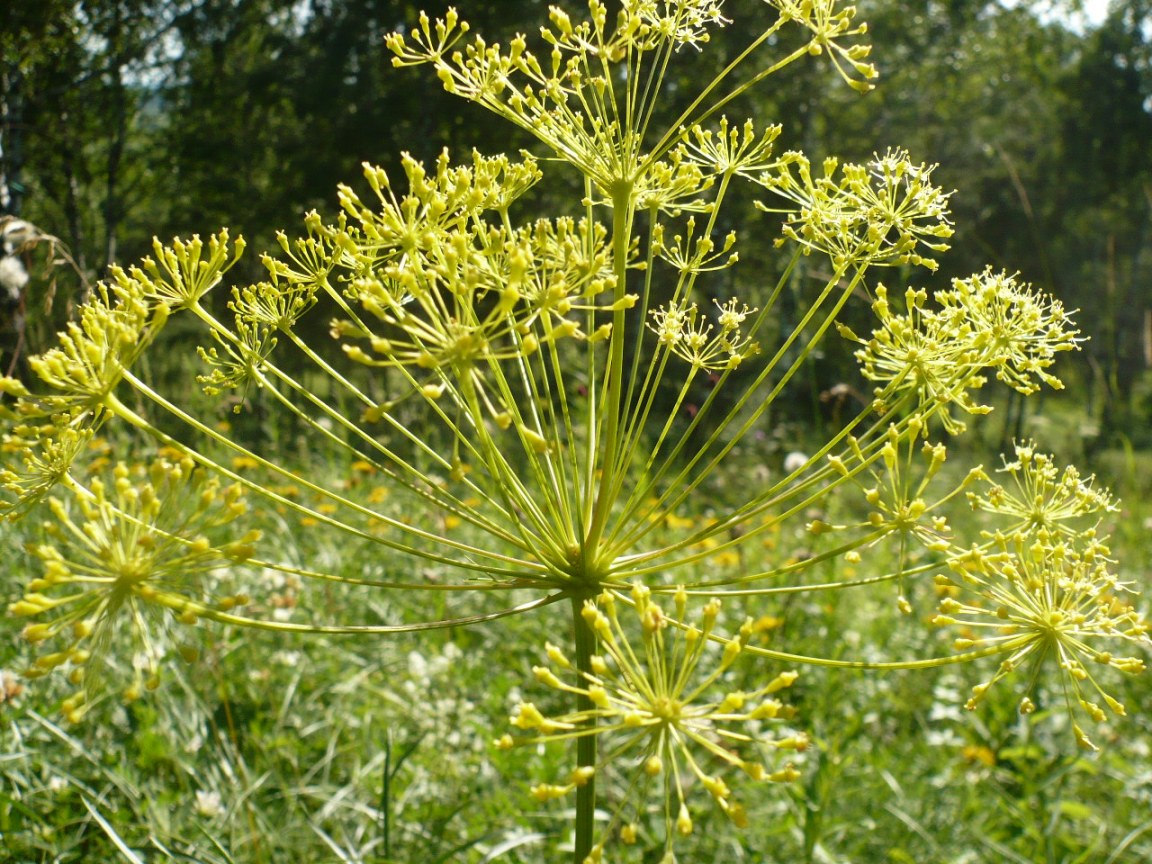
939,355
885,213
830,22
564,96
1041,496
898,496
732,149
1039,600
46,453
434,289
655,706
673,186
76,382
1013,329
555,465
238,358
550,97
179,276
137,553
1042,591
693,254
683,330
263,311
115,326
896,481
678,22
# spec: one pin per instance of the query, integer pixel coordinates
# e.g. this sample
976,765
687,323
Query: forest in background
121,120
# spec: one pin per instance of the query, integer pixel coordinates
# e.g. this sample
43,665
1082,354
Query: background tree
1100,189
132,118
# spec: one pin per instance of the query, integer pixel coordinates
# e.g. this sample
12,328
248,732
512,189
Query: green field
276,748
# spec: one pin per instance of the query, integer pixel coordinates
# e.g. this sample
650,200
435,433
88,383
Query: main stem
585,644
612,403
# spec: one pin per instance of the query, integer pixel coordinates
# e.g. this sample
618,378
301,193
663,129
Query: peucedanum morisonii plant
553,362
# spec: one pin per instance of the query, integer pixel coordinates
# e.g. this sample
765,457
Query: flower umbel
115,326
1044,600
179,276
47,452
681,22
987,322
1042,496
885,213
684,331
732,149
829,25
509,378
654,703
139,554
901,504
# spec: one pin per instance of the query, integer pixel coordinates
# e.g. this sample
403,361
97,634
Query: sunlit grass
374,749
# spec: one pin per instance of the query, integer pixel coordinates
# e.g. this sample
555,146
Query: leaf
116,839
1076,810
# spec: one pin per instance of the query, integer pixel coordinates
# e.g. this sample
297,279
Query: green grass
279,749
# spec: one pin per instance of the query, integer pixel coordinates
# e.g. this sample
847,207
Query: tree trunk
118,119
11,153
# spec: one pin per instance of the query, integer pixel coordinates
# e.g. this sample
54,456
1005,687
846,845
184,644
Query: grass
275,749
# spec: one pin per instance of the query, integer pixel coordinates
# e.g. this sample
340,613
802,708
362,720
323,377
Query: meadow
274,747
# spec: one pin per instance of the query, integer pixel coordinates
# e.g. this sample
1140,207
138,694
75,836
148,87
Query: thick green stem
613,402
585,644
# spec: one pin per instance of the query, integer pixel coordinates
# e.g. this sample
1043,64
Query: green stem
612,403
1006,647
585,644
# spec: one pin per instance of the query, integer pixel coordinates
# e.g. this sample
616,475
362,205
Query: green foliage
122,119
294,737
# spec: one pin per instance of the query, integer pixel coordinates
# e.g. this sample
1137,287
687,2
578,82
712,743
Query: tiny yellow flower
1046,600
135,549
654,700
1041,495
